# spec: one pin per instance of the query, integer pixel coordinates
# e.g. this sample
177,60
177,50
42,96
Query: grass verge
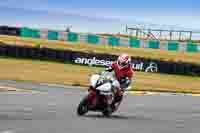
71,74
135,52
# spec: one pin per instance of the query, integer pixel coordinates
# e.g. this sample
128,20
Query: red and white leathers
124,74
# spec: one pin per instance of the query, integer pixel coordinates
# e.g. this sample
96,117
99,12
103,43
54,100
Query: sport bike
101,95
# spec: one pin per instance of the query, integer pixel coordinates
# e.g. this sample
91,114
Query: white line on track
7,132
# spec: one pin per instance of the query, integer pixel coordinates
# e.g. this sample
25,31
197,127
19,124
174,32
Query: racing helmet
123,61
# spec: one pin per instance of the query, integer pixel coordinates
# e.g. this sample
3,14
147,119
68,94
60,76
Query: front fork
94,98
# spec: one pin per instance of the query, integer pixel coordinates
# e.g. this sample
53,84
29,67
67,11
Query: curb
12,89
134,92
139,93
148,93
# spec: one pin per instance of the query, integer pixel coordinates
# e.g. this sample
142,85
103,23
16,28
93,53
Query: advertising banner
106,61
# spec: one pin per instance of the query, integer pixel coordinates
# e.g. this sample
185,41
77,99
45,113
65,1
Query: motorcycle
101,94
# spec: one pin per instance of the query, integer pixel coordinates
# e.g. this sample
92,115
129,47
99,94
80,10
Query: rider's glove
109,69
125,84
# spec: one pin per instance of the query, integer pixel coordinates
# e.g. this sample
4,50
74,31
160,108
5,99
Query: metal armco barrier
101,60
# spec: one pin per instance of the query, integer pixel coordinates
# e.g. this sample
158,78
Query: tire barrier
93,39
11,31
100,60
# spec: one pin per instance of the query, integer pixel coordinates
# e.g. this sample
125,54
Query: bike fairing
100,96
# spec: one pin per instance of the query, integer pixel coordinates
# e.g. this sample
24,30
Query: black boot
117,100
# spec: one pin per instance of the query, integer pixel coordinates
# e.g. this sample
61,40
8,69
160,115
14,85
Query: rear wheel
107,112
83,107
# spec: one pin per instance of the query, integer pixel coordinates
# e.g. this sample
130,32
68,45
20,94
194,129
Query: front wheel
83,107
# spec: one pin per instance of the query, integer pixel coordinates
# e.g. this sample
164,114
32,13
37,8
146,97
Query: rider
124,74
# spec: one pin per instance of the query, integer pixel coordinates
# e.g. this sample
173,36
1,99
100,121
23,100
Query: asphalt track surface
55,112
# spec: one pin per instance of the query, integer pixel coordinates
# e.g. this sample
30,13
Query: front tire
83,107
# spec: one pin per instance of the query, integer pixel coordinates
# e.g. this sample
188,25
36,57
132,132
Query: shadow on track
104,117
117,117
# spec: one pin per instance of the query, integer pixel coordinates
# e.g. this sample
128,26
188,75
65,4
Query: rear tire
107,112
83,107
